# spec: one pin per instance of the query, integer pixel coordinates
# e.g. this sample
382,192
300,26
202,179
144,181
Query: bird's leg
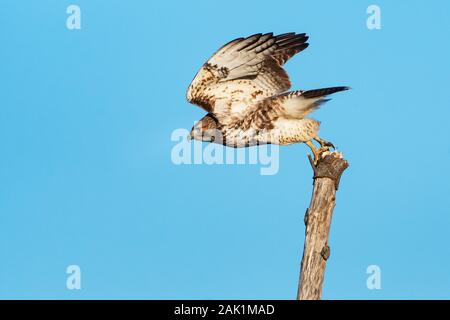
316,152
324,144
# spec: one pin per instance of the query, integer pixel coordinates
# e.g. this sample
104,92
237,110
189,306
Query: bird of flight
244,89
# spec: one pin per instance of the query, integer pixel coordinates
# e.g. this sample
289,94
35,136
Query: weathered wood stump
327,174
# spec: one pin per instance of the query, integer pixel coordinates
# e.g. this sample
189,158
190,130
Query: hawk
244,89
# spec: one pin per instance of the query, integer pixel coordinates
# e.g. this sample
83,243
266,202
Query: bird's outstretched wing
289,105
244,71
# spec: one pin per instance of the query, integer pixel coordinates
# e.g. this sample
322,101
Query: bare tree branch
327,174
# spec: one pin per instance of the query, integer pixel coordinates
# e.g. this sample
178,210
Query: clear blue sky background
85,153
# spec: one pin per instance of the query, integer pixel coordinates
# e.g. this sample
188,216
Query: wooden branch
327,174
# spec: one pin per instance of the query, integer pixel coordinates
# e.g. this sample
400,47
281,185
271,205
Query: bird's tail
298,104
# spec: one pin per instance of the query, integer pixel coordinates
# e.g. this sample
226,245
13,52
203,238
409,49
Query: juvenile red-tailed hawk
243,87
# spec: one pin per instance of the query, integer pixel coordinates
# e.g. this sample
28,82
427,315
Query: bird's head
206,129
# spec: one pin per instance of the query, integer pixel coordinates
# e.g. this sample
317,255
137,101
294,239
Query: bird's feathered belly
283,132
239,138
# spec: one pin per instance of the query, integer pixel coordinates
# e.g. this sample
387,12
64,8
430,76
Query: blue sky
87,178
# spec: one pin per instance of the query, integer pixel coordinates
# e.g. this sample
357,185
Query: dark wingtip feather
292,40
318,103
323,92
299,47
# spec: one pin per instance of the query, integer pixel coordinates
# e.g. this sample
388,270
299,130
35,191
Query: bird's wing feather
244,71
290,105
